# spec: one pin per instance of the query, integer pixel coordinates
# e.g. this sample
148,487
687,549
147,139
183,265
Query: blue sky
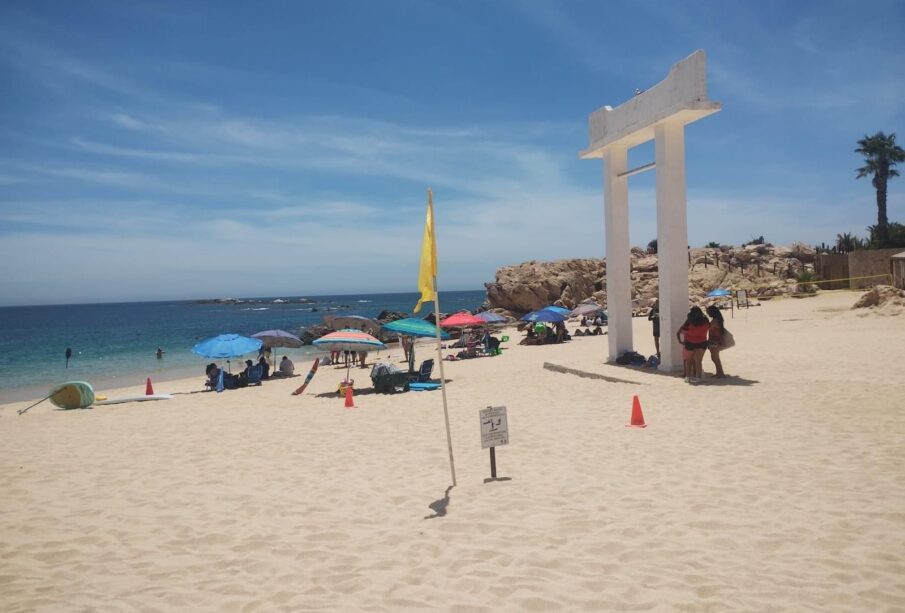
166,150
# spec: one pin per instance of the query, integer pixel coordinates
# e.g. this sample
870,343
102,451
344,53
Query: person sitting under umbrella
287,368
212,372
245,374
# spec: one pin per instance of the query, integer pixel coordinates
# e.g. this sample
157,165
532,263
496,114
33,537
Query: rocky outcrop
760,269
386,317
884,299
309,334
534,285
220,301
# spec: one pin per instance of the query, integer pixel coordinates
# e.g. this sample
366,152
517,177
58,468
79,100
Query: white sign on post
741,297
494,427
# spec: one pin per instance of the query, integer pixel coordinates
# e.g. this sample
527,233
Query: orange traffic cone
149,389
350,404
637,415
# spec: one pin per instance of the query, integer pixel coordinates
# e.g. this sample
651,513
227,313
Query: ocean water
113,345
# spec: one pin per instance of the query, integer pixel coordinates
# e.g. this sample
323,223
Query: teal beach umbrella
412,326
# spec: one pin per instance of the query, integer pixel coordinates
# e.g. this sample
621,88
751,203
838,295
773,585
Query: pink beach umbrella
462,320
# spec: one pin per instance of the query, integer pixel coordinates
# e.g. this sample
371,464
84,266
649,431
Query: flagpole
452,463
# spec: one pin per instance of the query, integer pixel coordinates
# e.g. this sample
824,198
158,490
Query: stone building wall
832,266
870,262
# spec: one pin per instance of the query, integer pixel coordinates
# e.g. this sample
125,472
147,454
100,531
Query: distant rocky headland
764,270
255,301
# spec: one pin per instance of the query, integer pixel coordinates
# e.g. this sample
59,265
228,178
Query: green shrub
805,281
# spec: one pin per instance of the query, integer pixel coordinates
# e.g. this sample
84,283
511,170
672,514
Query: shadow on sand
727,380
439,506
708,381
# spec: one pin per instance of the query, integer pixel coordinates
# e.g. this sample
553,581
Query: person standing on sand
694,332
715,339
654,316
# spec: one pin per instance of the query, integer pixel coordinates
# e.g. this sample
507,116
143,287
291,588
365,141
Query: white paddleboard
141,398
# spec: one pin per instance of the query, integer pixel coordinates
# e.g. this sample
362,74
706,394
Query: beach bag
631,358
728,340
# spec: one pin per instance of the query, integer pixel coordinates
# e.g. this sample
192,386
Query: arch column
618,251
672,238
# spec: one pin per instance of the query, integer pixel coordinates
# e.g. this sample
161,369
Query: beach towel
423,387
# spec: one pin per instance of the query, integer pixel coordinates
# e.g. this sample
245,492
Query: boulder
533,285
881,296
311,333
646,263
782,252
804,253
386,317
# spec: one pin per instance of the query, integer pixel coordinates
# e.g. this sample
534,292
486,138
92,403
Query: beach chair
424,373
255,374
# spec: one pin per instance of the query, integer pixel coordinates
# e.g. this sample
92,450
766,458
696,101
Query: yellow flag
428,269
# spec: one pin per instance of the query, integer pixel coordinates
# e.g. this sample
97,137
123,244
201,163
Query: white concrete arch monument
659,113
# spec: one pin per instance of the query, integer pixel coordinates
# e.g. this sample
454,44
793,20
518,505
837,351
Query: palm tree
881,153
845,242
849,242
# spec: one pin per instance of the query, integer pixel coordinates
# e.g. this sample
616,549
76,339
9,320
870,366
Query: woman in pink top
693,335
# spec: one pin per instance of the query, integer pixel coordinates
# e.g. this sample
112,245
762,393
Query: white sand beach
780,488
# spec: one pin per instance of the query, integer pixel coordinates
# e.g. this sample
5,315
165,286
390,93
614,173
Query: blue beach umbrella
226,346
546,316
719,293
492,318
557,309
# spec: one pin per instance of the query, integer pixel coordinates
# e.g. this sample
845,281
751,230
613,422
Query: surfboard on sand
141,398
307,378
